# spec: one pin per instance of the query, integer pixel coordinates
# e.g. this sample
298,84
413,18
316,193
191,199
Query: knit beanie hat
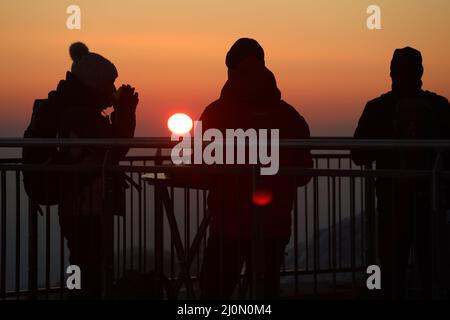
241,50
90,68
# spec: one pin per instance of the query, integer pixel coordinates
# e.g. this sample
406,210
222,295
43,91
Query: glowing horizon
327,63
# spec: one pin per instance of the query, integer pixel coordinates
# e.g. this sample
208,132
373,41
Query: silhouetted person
404,205
81,100
250,99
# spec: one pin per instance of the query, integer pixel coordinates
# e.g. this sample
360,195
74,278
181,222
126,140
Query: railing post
371,227
159,225
107,227
32,249
3,236
438,248
257,247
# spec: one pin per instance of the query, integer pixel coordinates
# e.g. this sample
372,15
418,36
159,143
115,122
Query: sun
180,123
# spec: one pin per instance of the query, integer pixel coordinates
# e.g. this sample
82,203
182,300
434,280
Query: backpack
42,187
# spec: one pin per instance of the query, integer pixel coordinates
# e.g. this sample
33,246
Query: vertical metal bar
158,229
172,242
436,276
187,221
145,223
329,216
32,249
257,246
118,239
107,228
370,222
124,238
352,233
306,230
61,264
47,250
315,231
241,289
334,234
18,222
131,220
296,241
340,216
47,241
3,236
140,223
205,212
197,194
61,250
117,246
413,258
362,219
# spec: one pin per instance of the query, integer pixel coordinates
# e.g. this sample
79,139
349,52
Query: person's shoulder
212,115
290,112
436,99
291,118
380,104
212,108
381,100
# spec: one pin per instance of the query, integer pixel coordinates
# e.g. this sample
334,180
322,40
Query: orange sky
326,61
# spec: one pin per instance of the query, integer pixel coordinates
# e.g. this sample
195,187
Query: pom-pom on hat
91,68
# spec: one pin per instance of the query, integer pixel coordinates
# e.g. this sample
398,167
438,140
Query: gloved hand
124,116
125,100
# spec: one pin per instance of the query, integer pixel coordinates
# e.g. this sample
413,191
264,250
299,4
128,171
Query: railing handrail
137,158
312,143
361,201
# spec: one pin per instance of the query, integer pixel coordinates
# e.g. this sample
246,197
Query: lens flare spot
262,198
180,123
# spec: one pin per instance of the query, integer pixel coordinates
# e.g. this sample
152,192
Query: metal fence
165,227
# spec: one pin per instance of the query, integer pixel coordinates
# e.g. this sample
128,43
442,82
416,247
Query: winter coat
251,99
426,116
80,116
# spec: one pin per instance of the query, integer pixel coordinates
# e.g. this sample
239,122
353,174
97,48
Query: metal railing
164,228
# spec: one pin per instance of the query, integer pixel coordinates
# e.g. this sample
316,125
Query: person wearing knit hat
80,101
94,71
404,204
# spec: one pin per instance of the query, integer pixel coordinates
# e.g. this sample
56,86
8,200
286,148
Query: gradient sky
327,63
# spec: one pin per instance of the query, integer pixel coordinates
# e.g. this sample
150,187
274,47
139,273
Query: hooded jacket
251,99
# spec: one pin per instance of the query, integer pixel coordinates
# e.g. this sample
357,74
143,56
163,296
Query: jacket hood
251,84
